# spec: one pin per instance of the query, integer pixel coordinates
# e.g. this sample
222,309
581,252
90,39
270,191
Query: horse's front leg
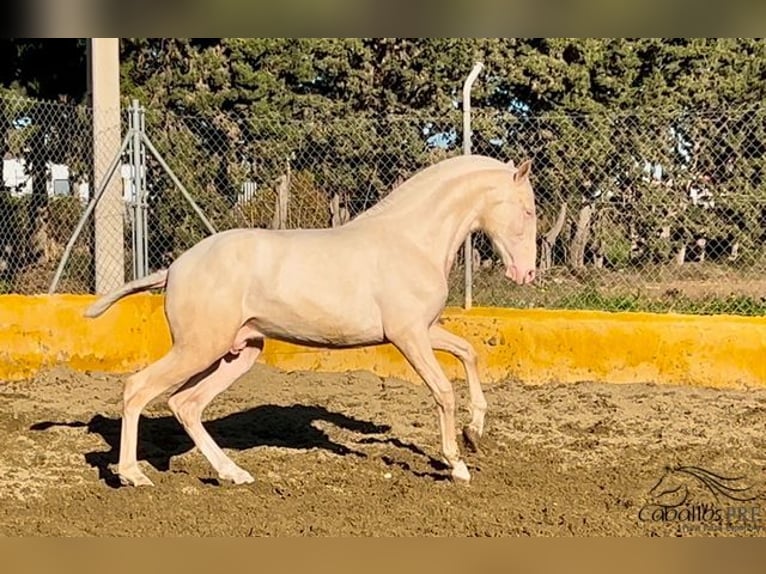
443,340
415,345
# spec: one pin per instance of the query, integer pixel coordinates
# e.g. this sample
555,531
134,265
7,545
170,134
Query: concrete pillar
104,87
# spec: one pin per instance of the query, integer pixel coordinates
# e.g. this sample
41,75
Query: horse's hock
531,346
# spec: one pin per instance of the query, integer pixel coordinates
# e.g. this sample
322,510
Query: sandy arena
351,454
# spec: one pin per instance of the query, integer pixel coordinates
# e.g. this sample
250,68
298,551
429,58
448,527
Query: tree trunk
681,255
599,256
549,240
734,251
339,213
40,242
580,239
283,195
636,249
701,243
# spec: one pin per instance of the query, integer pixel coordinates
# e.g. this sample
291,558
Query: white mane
422,185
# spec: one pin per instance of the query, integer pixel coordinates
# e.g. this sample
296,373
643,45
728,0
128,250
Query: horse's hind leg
178,365
189,402
443,340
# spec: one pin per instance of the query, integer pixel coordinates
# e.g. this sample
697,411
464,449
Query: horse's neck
441,218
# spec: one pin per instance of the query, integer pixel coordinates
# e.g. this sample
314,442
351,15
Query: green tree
351,117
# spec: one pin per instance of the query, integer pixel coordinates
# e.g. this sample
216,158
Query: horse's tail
156,280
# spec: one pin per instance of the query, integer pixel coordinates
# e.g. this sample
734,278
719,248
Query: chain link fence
47,156
645,210
648,209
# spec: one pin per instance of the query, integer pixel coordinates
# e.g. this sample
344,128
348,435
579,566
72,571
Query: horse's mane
428,180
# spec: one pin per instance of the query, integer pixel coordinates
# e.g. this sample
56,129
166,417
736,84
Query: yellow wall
535,346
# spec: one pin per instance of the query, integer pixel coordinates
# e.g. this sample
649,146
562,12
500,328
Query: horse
381,277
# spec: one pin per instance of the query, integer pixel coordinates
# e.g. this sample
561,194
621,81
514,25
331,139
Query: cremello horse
381,277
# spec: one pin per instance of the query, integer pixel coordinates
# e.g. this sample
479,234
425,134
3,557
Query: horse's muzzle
520,276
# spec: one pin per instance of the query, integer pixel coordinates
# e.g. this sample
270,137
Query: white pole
468,245
104,76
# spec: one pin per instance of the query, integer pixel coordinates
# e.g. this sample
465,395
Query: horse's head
510,221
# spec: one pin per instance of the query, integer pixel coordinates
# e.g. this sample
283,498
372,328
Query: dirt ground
351,454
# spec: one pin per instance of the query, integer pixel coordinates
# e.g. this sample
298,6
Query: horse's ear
510,164
523,172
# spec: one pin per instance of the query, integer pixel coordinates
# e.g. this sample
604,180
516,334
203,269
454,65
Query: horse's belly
304,295
320,328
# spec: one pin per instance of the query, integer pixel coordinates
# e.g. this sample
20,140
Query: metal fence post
158,156
135,143
468,245
108,174
143,206
138,203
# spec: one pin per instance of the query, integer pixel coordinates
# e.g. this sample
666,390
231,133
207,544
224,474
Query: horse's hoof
134,477
471,439
237,476
460,473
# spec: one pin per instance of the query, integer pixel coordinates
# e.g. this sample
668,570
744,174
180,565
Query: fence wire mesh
47,178
655,210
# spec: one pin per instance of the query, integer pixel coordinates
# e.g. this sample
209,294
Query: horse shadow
162,438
